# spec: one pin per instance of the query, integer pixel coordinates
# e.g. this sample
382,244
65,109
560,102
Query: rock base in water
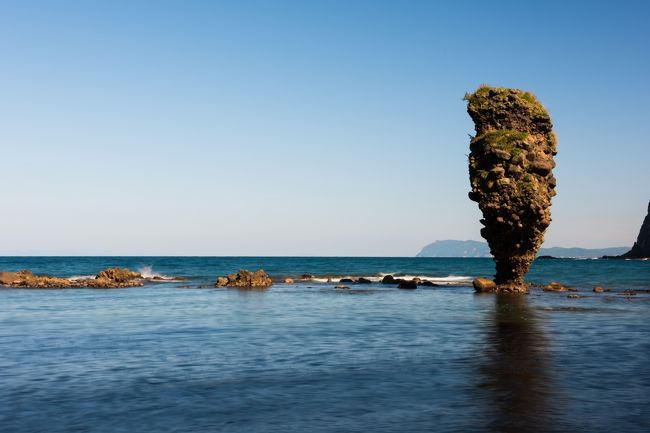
245,279
111,278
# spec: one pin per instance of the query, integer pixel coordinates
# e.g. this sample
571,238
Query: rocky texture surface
641,248
510,170
107,279
118,275
245,279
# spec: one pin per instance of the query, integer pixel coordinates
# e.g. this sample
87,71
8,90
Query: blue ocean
179,355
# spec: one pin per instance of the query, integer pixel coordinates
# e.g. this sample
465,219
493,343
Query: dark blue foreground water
307,357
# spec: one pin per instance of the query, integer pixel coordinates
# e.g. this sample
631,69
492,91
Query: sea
179,355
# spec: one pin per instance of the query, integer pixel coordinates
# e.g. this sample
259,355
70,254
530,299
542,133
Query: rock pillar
511,175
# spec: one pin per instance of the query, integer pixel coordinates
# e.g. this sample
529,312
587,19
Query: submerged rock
554,286
510,170
245,279
427,283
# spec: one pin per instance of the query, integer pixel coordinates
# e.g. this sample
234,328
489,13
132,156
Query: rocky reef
107,279
511,175
245,279
641,248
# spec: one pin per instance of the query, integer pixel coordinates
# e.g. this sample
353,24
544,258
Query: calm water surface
308,357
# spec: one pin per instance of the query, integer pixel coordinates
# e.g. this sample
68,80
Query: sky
304,127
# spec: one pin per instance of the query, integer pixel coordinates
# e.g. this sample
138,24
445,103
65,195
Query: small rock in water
484,285
288,280
599,289
346,280
573,296
629,293
389,279
341,286
363,281
410,285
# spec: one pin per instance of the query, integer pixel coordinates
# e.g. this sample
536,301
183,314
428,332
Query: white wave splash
148,273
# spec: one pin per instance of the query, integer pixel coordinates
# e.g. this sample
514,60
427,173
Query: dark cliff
641,248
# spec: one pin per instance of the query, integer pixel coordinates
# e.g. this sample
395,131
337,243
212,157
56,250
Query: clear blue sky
304,128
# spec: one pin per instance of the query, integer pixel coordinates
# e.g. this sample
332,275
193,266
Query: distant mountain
452,248
581,253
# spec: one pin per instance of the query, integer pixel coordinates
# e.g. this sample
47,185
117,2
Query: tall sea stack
510,171
641,248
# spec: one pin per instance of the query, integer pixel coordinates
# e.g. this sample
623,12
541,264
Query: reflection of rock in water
516,372
510,169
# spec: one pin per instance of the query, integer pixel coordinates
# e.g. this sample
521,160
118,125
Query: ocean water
179,356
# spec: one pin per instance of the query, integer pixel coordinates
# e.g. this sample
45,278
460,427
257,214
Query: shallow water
308,357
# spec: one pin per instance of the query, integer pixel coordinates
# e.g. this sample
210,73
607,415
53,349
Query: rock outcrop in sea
511,175
245,279
641,248
110,278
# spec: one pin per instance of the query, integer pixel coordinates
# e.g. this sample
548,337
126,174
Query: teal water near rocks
301,357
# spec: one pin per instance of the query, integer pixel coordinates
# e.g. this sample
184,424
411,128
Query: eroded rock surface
107,279
118,275
510,170
245,279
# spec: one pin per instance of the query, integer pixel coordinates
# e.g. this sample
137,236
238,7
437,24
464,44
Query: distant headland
457,248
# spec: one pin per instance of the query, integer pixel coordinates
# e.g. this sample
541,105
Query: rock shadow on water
516,382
